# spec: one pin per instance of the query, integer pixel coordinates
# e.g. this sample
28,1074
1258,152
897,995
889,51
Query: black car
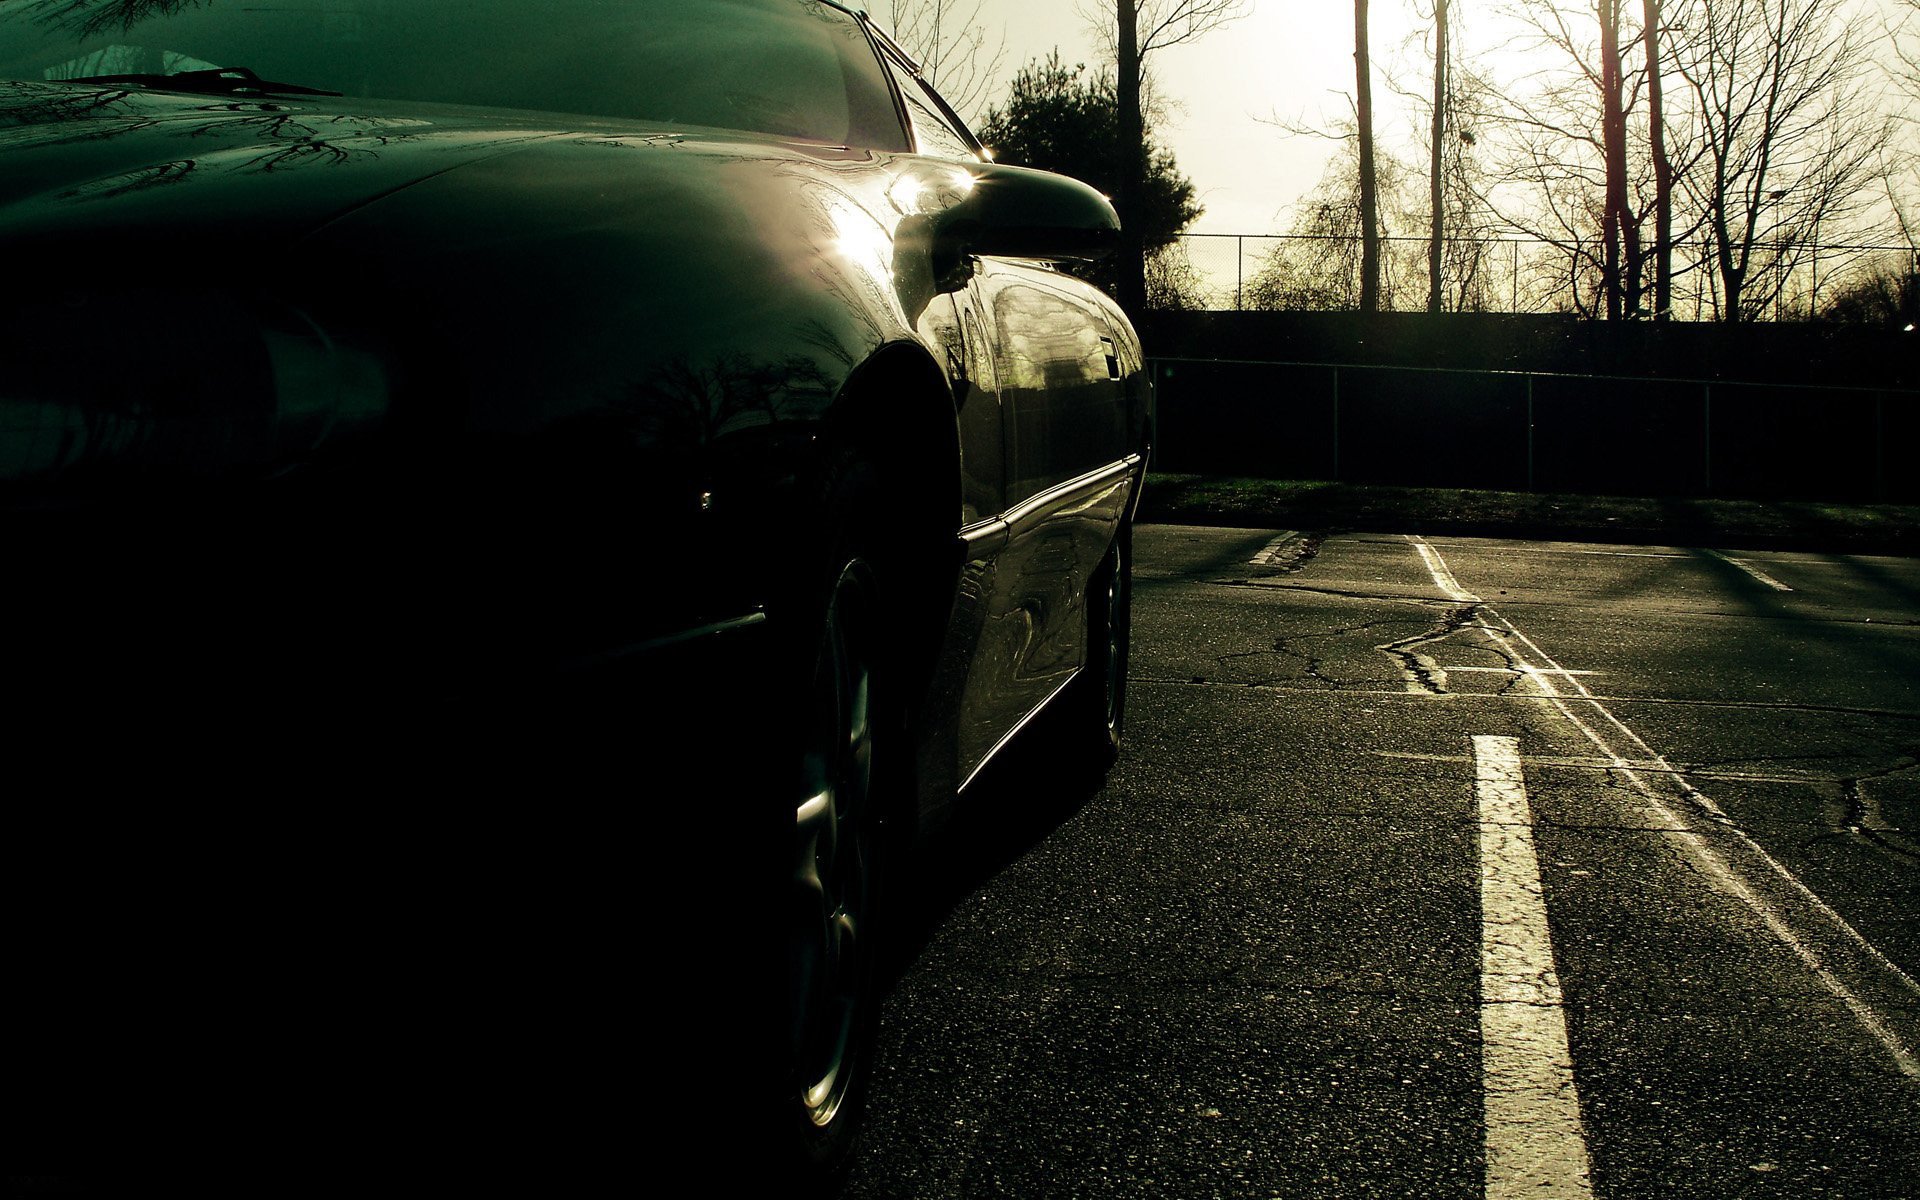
471,470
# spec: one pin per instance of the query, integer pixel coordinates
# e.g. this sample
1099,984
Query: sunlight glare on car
925,190
857,236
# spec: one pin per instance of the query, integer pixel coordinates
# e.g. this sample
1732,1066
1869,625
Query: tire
844,761
1097,700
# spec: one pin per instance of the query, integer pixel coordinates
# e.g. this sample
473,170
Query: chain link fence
1292,272
1507,430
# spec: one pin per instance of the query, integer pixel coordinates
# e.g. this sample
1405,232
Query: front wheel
837,841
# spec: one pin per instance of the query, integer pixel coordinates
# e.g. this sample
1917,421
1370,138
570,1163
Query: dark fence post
1165,372
1336,424
1529,432
1707,440
1880,447
1239,270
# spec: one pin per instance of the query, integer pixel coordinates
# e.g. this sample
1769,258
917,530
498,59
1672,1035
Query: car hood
568,325
129,163
105,183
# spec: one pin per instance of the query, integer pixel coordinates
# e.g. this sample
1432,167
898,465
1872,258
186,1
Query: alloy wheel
835,835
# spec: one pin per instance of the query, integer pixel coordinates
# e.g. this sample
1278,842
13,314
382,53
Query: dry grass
1290,504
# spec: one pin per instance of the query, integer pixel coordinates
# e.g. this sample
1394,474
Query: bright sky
1290,58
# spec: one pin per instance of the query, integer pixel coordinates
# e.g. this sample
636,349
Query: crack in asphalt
1865,820
1860,815
1311,662
1425,674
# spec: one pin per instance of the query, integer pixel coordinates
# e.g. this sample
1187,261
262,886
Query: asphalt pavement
1441,867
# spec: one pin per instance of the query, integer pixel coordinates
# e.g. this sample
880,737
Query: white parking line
1275,549
1752,570
1534,1142
1437,567
1872,968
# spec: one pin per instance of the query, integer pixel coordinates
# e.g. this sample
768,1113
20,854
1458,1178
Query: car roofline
879,34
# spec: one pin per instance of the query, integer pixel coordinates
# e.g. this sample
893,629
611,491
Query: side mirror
1010,212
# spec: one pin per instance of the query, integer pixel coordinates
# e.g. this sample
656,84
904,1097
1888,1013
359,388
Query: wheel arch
896,413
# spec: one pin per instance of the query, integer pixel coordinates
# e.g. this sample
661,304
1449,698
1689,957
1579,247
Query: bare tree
1618,223
1439,236
1174,283
1774,135
956,51
1437,171
1885,291
1651,35
1454,215
1369,179
1470,225
1902,32
1792,135
94,18
1576,167
1136,29
1317,265
1549,164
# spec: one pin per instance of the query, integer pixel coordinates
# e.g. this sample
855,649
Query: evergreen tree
1067,119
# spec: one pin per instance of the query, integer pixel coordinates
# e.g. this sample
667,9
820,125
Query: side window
936,132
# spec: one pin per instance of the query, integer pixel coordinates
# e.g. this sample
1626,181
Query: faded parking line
1276,550
1752,570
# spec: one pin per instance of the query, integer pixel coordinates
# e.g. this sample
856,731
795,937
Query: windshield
794,68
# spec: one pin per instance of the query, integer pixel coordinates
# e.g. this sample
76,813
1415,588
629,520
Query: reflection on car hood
96,171
285,164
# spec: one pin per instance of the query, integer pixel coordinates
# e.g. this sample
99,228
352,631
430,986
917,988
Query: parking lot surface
1442,867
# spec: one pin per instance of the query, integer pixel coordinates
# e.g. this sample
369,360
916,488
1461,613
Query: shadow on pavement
1025,793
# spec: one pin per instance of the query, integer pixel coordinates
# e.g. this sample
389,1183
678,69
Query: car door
1065,422
1041,412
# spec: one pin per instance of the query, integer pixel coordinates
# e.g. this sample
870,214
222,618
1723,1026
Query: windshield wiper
215,81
